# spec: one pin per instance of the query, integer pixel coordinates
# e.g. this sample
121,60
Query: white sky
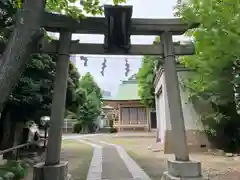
114,72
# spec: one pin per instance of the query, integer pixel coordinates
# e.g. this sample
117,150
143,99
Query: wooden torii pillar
53,168
58,101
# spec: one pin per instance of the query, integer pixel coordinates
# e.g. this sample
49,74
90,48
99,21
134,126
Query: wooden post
158,119
149,119
174,99
53,168
58,102
119,118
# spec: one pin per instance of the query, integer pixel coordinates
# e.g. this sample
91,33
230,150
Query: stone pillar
174,99
180,168
119,118
53,168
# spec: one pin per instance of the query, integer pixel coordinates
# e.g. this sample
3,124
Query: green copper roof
128,90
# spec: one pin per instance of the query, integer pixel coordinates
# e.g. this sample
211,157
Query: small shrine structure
132,114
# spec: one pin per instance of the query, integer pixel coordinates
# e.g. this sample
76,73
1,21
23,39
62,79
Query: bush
77,128
2,173
223,128
92,128
113,130
16,169
8,176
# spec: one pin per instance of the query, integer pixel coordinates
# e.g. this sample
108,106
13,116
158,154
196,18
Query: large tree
146,76
91,108
32,96
217,54
26,33
88,83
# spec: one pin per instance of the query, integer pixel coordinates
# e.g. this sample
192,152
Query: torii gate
117,26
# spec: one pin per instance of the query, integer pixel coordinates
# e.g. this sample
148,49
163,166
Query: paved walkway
111,162
113,167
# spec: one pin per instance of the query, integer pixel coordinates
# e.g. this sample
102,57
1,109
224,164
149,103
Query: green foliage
88,83
69,7
90,94
7,12
217,42
77,127
73,98
18,168
32,96
74,8
145,77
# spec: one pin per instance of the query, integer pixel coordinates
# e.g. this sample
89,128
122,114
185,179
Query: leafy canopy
145,77
216,40
32,96
88,83
74,8
91,107
215,63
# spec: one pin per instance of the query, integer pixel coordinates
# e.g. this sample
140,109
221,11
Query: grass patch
79,157
153,166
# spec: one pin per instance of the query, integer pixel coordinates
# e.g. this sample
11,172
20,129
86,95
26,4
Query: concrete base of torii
183,170
41,171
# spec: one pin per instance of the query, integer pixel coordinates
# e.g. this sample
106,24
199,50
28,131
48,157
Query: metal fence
68,125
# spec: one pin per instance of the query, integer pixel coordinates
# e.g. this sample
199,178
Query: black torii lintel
118,22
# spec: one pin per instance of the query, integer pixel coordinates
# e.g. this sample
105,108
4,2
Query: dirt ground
155,163
78,156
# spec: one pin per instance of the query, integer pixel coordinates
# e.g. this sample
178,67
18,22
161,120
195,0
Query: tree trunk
17,136
24,37
12,133
6,124
8,134
9,139
18,133
3,117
